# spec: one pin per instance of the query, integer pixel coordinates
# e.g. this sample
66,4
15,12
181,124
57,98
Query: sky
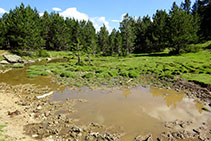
108,12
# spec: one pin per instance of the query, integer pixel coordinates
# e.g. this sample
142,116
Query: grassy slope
112,70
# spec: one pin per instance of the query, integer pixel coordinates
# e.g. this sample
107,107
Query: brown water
134,111
19,76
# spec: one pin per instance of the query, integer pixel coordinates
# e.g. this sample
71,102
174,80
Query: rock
34,136
12,58
31,61
48,59
4,62
76,129
15,113
143,138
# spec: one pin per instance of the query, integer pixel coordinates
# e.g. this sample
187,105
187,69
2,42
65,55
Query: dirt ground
14,117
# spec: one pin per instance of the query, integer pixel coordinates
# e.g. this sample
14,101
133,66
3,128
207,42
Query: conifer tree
128,36
103,36
23,29
160,30
58,33
181,29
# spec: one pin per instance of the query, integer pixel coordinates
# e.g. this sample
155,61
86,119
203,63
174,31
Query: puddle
19,76
134,111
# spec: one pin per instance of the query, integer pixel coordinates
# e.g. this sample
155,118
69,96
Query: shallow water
19,76
133,111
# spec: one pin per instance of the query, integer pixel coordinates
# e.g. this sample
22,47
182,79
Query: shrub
68,74
123,73
43,53
113,73
44,73
133,74
88,75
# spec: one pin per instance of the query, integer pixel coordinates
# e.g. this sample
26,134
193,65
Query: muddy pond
132,111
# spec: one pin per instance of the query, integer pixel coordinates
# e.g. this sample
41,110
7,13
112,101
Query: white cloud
99,21
56,9
122,17
41,14
74,13
115,21
2,11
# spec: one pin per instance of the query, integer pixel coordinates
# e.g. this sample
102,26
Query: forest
25,32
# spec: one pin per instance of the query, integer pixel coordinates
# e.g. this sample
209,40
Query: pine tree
90,39
181,29
58,33
2,33
127,31
23,29
186,5
46,22
118,43
204,10
143,41
112,37
103,35
160,30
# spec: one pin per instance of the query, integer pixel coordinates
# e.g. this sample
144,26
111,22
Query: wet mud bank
86,114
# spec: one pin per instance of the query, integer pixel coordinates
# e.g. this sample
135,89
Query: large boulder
12,58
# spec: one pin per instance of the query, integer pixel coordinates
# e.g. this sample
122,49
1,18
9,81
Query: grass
3,137
191,66
113,70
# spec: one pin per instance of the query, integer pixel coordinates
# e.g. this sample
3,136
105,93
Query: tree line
23,31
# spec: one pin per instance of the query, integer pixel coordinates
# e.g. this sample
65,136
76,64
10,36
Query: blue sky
107,12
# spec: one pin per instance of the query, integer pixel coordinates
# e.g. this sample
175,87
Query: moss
31,75
18,66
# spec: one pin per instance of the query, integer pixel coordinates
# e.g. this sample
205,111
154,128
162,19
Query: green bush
113,73
69,74
44,73
88,75
43,53
133,74
123,73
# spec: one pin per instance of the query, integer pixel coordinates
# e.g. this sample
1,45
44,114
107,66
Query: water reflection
136,110
126,92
